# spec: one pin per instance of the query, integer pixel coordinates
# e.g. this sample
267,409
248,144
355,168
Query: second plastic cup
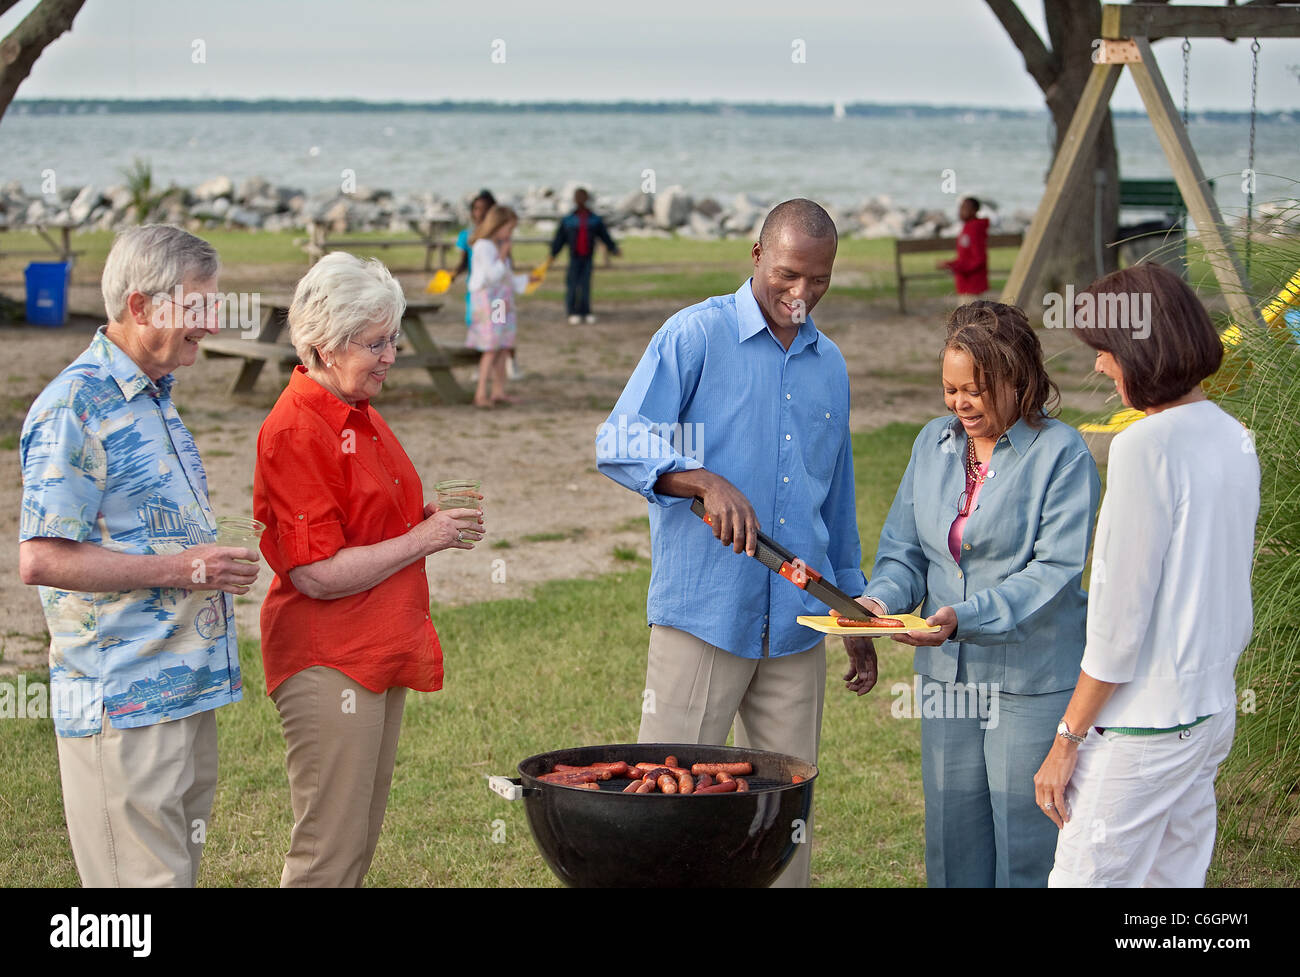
453,494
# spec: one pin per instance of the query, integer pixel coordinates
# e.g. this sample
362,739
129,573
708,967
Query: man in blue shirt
741,401
117,531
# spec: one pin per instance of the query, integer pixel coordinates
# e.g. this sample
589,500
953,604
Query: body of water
840,161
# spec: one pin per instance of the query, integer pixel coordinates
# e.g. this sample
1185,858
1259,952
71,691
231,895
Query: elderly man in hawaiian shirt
118,533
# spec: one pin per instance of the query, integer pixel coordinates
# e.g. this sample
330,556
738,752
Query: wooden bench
265,347
937,244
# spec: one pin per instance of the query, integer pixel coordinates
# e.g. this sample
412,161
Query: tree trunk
1083,240
19,51
1061,71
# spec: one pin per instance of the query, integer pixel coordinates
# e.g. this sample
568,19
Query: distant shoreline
120,106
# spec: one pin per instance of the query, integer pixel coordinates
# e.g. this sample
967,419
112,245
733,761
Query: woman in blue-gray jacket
989,533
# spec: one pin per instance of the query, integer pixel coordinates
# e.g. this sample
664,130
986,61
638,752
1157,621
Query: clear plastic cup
454,493
240,531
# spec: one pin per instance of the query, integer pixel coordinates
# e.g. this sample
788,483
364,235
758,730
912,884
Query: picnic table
428,235
417,349
61,249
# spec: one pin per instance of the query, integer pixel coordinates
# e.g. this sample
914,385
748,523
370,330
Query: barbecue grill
606,838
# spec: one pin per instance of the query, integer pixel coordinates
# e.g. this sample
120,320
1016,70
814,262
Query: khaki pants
138,801
342,741
776,704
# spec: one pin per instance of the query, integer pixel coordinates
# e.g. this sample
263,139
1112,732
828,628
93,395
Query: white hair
338,298
153,259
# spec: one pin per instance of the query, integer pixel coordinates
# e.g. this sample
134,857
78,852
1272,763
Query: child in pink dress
492,287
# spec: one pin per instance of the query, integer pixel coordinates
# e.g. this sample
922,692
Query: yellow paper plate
440,282
827,625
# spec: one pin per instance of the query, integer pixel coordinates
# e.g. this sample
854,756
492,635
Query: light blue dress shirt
717,390
1021,609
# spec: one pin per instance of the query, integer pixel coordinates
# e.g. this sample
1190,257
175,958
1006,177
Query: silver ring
1048,806
460,536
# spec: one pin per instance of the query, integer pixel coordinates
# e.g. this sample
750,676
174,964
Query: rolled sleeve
997,615
635,446
303,495
898,578
65,474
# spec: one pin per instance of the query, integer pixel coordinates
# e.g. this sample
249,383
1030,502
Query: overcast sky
920,51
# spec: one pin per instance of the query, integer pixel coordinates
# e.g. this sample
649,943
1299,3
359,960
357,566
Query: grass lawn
650,268
563,669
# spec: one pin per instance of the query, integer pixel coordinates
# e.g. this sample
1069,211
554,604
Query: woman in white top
492,287
1130,776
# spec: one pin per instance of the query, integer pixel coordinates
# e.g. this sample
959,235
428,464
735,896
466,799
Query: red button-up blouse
330,476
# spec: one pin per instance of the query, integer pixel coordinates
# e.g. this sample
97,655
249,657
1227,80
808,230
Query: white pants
1142,808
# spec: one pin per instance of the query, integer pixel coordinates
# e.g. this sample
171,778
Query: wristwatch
1063,731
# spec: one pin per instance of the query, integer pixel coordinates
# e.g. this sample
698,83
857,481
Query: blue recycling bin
47,292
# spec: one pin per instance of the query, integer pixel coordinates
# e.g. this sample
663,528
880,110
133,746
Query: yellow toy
440,282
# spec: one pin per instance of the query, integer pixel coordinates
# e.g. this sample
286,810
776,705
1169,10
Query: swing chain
1250,159
1187,57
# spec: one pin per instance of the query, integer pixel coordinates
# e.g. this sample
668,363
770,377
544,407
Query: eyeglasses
963,504
202,310
377,349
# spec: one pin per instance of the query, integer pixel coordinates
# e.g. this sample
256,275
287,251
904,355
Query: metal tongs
782,562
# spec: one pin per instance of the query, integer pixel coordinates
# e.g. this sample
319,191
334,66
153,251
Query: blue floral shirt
107,460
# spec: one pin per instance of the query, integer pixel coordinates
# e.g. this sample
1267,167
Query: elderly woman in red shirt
345,625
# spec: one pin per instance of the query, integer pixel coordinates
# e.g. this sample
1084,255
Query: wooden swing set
1127,31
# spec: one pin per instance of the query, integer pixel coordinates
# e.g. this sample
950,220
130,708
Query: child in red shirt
970,269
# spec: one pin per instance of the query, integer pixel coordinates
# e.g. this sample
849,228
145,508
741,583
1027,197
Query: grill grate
617,784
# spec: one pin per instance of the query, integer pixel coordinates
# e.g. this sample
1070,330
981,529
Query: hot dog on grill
645,768
617,768
735,769
570,777
724,788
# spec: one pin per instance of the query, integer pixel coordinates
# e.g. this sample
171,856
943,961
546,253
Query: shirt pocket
823,435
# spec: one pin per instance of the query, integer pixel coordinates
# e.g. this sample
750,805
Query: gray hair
336,300
153,259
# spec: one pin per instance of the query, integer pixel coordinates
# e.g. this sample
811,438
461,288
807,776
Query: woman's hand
1050,781
945,617
444,529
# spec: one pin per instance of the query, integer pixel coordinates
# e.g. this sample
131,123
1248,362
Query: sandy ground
536,459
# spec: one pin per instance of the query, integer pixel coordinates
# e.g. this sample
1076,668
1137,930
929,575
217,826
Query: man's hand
862,673
730,515
733,519
215,566
945,617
